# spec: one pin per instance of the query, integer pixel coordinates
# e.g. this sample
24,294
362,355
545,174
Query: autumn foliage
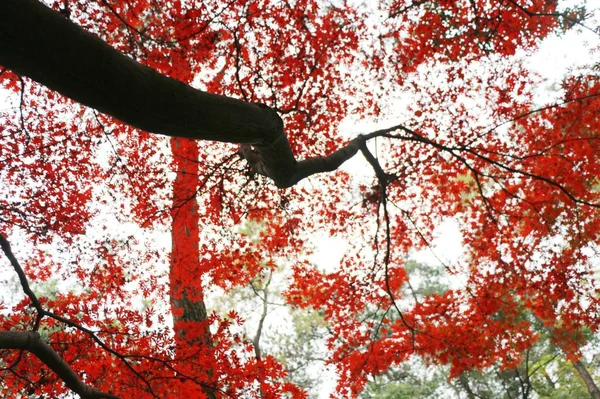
123,235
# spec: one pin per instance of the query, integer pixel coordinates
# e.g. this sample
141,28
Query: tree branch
5,245
32,342
42,44
277,161
587,379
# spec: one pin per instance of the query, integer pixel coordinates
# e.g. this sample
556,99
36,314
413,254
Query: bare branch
5,245
277,161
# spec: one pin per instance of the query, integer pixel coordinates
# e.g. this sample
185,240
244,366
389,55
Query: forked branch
277,161
32,342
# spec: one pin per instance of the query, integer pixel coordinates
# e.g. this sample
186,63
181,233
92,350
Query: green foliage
425,279
412,379
544,372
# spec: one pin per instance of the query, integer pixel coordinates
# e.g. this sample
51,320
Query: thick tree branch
42,44
32,342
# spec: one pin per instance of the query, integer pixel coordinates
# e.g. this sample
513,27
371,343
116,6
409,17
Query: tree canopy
158,155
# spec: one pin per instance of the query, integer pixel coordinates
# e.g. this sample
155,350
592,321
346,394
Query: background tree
543,373
140,229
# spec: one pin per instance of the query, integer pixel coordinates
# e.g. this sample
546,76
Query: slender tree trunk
192,334
587,379
464,382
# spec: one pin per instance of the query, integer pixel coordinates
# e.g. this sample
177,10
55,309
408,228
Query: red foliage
127,224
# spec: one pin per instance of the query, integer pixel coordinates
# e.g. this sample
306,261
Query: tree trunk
587,379
192,334
464,382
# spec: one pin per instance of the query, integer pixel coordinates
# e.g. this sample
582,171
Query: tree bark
587,379
192,334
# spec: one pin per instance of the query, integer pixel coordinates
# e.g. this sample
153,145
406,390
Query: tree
543,373
89,196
